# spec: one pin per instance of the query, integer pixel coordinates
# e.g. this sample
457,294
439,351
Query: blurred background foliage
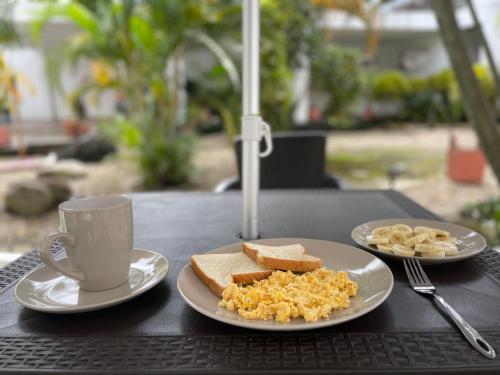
135,49
433,99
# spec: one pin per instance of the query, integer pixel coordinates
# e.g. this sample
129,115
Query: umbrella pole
250,164
253,129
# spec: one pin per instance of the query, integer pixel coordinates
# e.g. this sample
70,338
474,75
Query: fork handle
476,340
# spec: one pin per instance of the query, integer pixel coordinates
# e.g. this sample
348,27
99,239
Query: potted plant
465,165
4,126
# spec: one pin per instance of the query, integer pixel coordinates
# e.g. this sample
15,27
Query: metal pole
250,164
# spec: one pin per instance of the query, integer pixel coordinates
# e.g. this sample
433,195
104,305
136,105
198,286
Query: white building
409,41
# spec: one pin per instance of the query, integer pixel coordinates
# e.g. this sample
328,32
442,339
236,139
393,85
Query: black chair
297,162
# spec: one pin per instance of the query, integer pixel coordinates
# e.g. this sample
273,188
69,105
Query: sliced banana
381,232
401,239
377,241
424,248
436,254
448,248
451,240
385,248
402,228
397,237
431,232
403,250
442,233
419,238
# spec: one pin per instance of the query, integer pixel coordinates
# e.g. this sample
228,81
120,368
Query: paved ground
215,160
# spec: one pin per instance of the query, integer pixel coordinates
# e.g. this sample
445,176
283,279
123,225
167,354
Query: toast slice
217,271
288,257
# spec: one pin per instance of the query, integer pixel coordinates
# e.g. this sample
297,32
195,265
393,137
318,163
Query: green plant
136,41
487,215
335,72
390,85
215,91
433,99
483,75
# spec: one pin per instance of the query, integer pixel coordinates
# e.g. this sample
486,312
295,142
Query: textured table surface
158,333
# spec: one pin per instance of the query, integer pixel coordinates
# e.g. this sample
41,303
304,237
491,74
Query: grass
369,164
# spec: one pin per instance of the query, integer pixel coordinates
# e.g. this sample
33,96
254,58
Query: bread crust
250,277
303,265
238,278
311,263
251,253
211,283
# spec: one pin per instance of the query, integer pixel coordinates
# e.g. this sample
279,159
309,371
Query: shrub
335,72
390,85
487,215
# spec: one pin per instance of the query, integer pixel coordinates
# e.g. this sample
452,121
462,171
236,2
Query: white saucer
46,290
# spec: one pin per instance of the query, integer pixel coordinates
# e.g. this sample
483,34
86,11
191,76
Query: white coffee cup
98,236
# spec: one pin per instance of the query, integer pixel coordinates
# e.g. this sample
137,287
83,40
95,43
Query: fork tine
422,273
414,269
408,273
414,272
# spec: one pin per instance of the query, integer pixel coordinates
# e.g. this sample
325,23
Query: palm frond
225,60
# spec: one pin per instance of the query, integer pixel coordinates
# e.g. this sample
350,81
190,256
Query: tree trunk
489,56
478,109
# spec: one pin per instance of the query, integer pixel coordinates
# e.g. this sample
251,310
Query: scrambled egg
284,295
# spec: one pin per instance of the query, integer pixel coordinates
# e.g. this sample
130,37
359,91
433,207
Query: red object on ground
4,136
74,128
315,114
465,165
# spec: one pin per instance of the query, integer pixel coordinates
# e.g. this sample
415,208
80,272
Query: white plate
44,289
374,279
469,243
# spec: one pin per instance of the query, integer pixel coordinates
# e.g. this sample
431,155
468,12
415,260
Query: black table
158,333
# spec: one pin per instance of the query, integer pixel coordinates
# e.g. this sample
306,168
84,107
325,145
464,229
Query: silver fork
421,284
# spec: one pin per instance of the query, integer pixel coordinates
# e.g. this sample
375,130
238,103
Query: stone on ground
29,198
64,169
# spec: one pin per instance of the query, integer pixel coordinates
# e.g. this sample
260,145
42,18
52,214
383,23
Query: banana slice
377,241
403,250
397,237
441,233
385,248
448,248
419,238
451,240
402,228
436,254
381,232
424,248
432,233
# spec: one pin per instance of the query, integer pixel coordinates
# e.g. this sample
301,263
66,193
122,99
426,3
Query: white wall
37,106
488,12
28,62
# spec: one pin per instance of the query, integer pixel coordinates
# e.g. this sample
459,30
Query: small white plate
46,290
469,242
374,278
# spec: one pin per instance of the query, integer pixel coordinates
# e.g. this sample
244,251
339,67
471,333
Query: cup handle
44,250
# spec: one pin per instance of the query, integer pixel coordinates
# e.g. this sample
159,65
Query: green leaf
142,33
82,17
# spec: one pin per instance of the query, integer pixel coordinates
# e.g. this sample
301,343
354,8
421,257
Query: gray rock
29,198
60,190
64,169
